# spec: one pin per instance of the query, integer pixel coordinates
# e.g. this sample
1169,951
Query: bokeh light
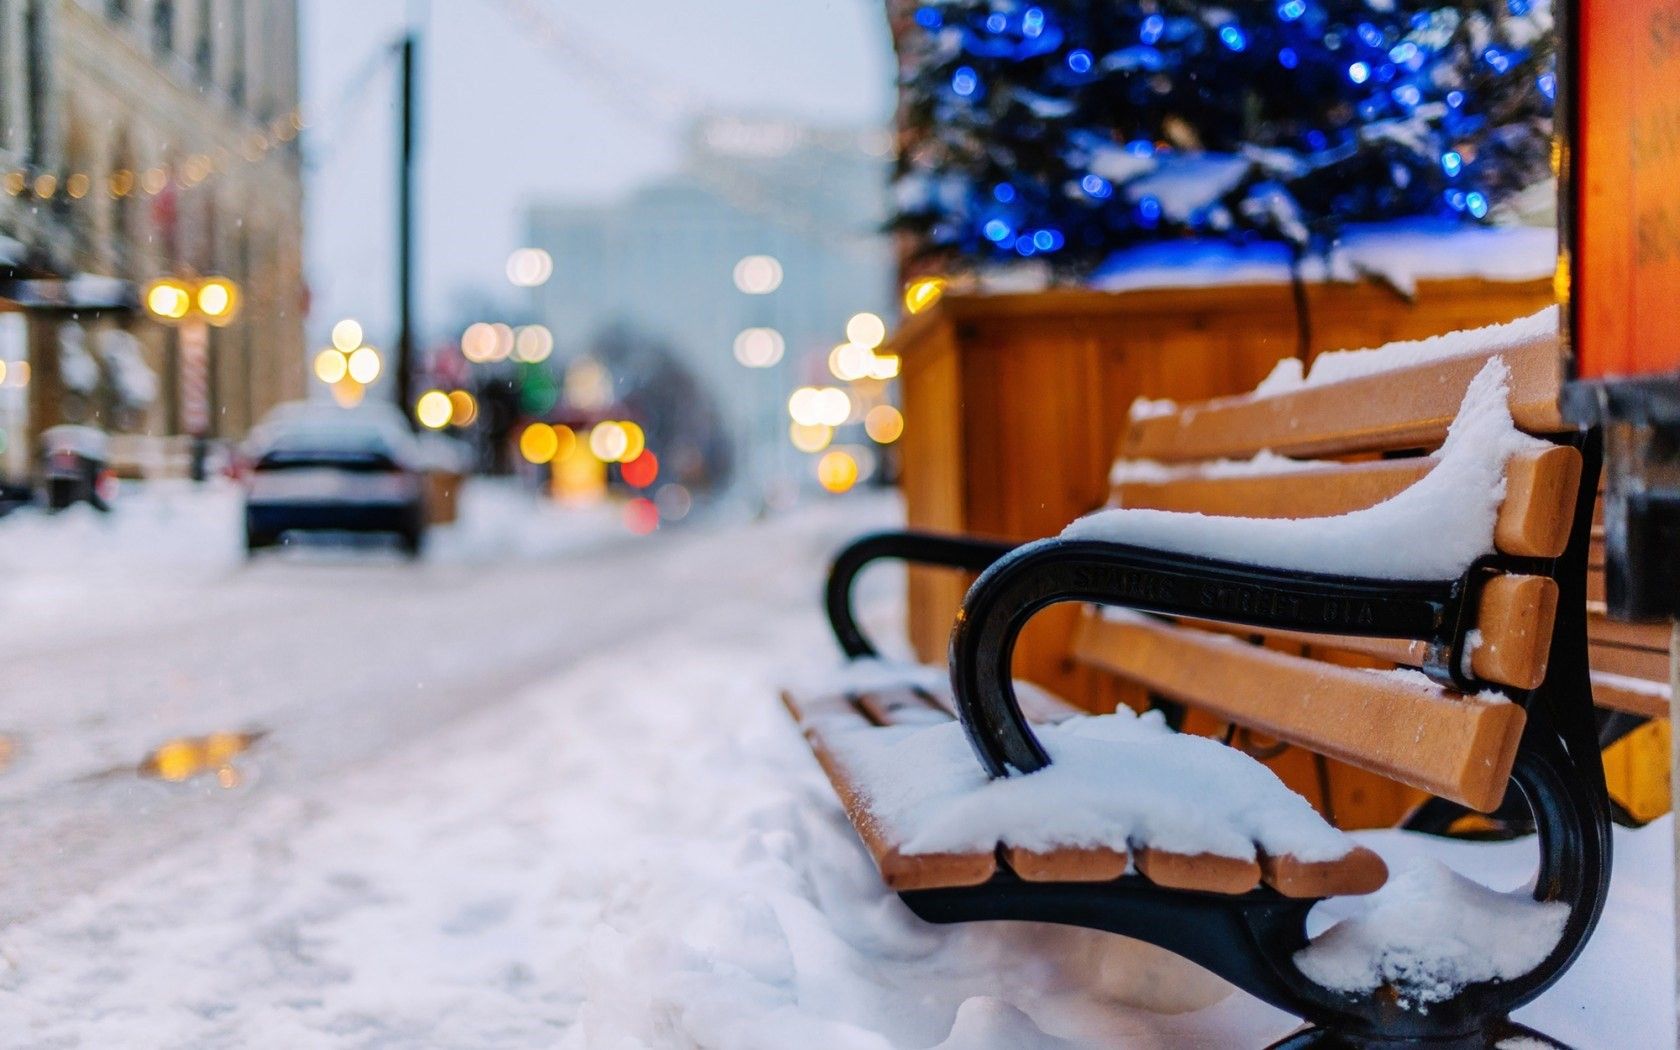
884,424
434,409
330,366
758,274
641,516
641,471
810,437
850,362
363,364
463,408
922,293
533,344
608,441
673,502
759,347
530,267
866,330
538,443
347,335
837,471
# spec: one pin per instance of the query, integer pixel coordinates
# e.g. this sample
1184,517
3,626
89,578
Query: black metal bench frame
1250,939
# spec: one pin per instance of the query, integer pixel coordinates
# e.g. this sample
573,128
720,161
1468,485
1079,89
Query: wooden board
1420,735
1404,408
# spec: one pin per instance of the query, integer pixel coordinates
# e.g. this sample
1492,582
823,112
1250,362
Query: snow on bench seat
1123,793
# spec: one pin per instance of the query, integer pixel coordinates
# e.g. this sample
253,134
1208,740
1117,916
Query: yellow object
923,293
347,335
837,471
218,300
363,364
464,408
168,299
866,330
1636,771
330,366
538,443
434,409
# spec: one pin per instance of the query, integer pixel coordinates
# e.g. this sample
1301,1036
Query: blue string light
1079,61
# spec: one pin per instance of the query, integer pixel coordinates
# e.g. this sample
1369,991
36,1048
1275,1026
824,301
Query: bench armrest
926,548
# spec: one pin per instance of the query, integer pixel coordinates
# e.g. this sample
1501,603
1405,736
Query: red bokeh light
641,516
642,471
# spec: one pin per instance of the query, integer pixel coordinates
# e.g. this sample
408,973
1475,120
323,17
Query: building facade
141,139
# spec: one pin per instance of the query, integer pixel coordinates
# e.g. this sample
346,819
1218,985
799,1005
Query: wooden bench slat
1600,628
1358,873
1628,662
1207,872
901,705
1533,521
1610,692
1515,620
1398,409
1458,748
1067,864
1516,617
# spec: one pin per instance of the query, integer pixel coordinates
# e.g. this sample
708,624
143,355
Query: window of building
236,76
35,81
203,56
163,26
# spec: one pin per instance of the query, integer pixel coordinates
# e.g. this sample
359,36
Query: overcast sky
509,118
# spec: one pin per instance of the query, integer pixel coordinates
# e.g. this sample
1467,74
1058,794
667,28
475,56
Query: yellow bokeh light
538,443
331,366
866,330
218,300
19,375
363,364
347,335
837,471
923,293
348,393
175,761
434,410
884,424
609,441
566,442
635,441
810,438
168,299
2,372
883,366
463,408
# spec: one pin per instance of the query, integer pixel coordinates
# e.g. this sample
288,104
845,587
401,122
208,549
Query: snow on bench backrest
1402,396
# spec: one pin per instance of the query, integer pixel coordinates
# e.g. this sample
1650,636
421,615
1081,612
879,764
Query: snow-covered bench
1424,504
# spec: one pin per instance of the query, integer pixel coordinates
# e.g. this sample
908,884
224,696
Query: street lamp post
192,306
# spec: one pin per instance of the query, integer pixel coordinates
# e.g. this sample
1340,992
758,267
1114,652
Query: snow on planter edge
1432,530
1429,932
1115,781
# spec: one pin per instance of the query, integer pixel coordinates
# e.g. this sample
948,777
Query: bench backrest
1372,434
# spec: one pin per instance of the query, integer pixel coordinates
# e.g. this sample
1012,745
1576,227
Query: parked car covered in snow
331,470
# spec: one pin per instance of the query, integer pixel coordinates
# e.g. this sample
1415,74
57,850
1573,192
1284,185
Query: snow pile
1431,531
1339,366
1263,463
1115,781
1429,932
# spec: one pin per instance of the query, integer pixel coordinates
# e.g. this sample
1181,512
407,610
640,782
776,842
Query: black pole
405,236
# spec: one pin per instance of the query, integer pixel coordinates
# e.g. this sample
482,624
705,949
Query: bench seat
836,722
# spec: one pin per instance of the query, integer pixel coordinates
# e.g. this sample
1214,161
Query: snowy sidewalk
641,852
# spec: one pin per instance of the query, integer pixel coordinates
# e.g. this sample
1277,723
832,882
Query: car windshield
344,447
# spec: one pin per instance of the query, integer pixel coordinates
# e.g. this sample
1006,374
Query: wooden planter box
1014,405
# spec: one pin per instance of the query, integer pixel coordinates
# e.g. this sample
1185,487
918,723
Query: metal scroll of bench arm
927,548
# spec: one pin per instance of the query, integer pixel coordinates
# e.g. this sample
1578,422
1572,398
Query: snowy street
569,812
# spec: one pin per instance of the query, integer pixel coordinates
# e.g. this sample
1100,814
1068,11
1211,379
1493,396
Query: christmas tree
1066,129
